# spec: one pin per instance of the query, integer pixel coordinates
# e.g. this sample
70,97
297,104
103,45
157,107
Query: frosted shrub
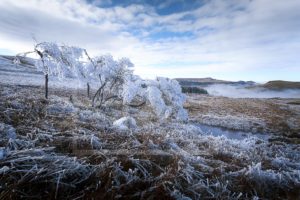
163,95
111,75
154,96
132,88
173,97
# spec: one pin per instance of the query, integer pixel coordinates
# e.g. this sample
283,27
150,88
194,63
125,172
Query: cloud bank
233,40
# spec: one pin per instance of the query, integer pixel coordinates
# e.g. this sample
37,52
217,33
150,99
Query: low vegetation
194,90
64,149
276,117
122,137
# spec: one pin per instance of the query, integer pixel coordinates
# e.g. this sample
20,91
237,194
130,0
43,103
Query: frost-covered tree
111,75
85,71
67,61
60,61
115,79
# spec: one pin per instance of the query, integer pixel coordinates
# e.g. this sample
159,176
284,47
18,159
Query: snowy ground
13,74
63,148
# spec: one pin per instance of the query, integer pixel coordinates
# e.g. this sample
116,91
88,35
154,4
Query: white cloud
227,36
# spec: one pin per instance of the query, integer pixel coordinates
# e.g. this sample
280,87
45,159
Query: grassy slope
281,85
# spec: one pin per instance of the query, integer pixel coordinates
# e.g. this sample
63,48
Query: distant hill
281,85
271,85
202,80
209,81
24,60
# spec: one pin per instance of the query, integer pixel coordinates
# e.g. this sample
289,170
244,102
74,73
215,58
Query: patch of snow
163,95
7,131
125,123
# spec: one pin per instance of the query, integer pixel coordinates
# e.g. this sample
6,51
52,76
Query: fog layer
243,92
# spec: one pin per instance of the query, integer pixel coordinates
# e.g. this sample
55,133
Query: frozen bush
131,89
110,75
163,95
156,101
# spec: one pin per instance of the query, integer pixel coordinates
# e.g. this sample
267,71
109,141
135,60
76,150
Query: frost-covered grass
271,116
65,149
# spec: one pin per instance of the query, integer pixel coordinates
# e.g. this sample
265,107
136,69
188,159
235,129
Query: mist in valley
234,91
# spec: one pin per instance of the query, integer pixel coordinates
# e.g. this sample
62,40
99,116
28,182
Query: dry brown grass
277,116
66,156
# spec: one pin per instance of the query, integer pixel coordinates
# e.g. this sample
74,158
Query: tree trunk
46,86
98,93
88,90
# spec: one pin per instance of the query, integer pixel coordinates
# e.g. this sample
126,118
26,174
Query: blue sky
227,39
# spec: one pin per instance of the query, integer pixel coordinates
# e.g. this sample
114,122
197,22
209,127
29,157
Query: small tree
111,75
86,72
60,61
115,78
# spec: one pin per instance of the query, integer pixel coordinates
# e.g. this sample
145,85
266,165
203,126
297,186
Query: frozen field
65,149
26,74
272,116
